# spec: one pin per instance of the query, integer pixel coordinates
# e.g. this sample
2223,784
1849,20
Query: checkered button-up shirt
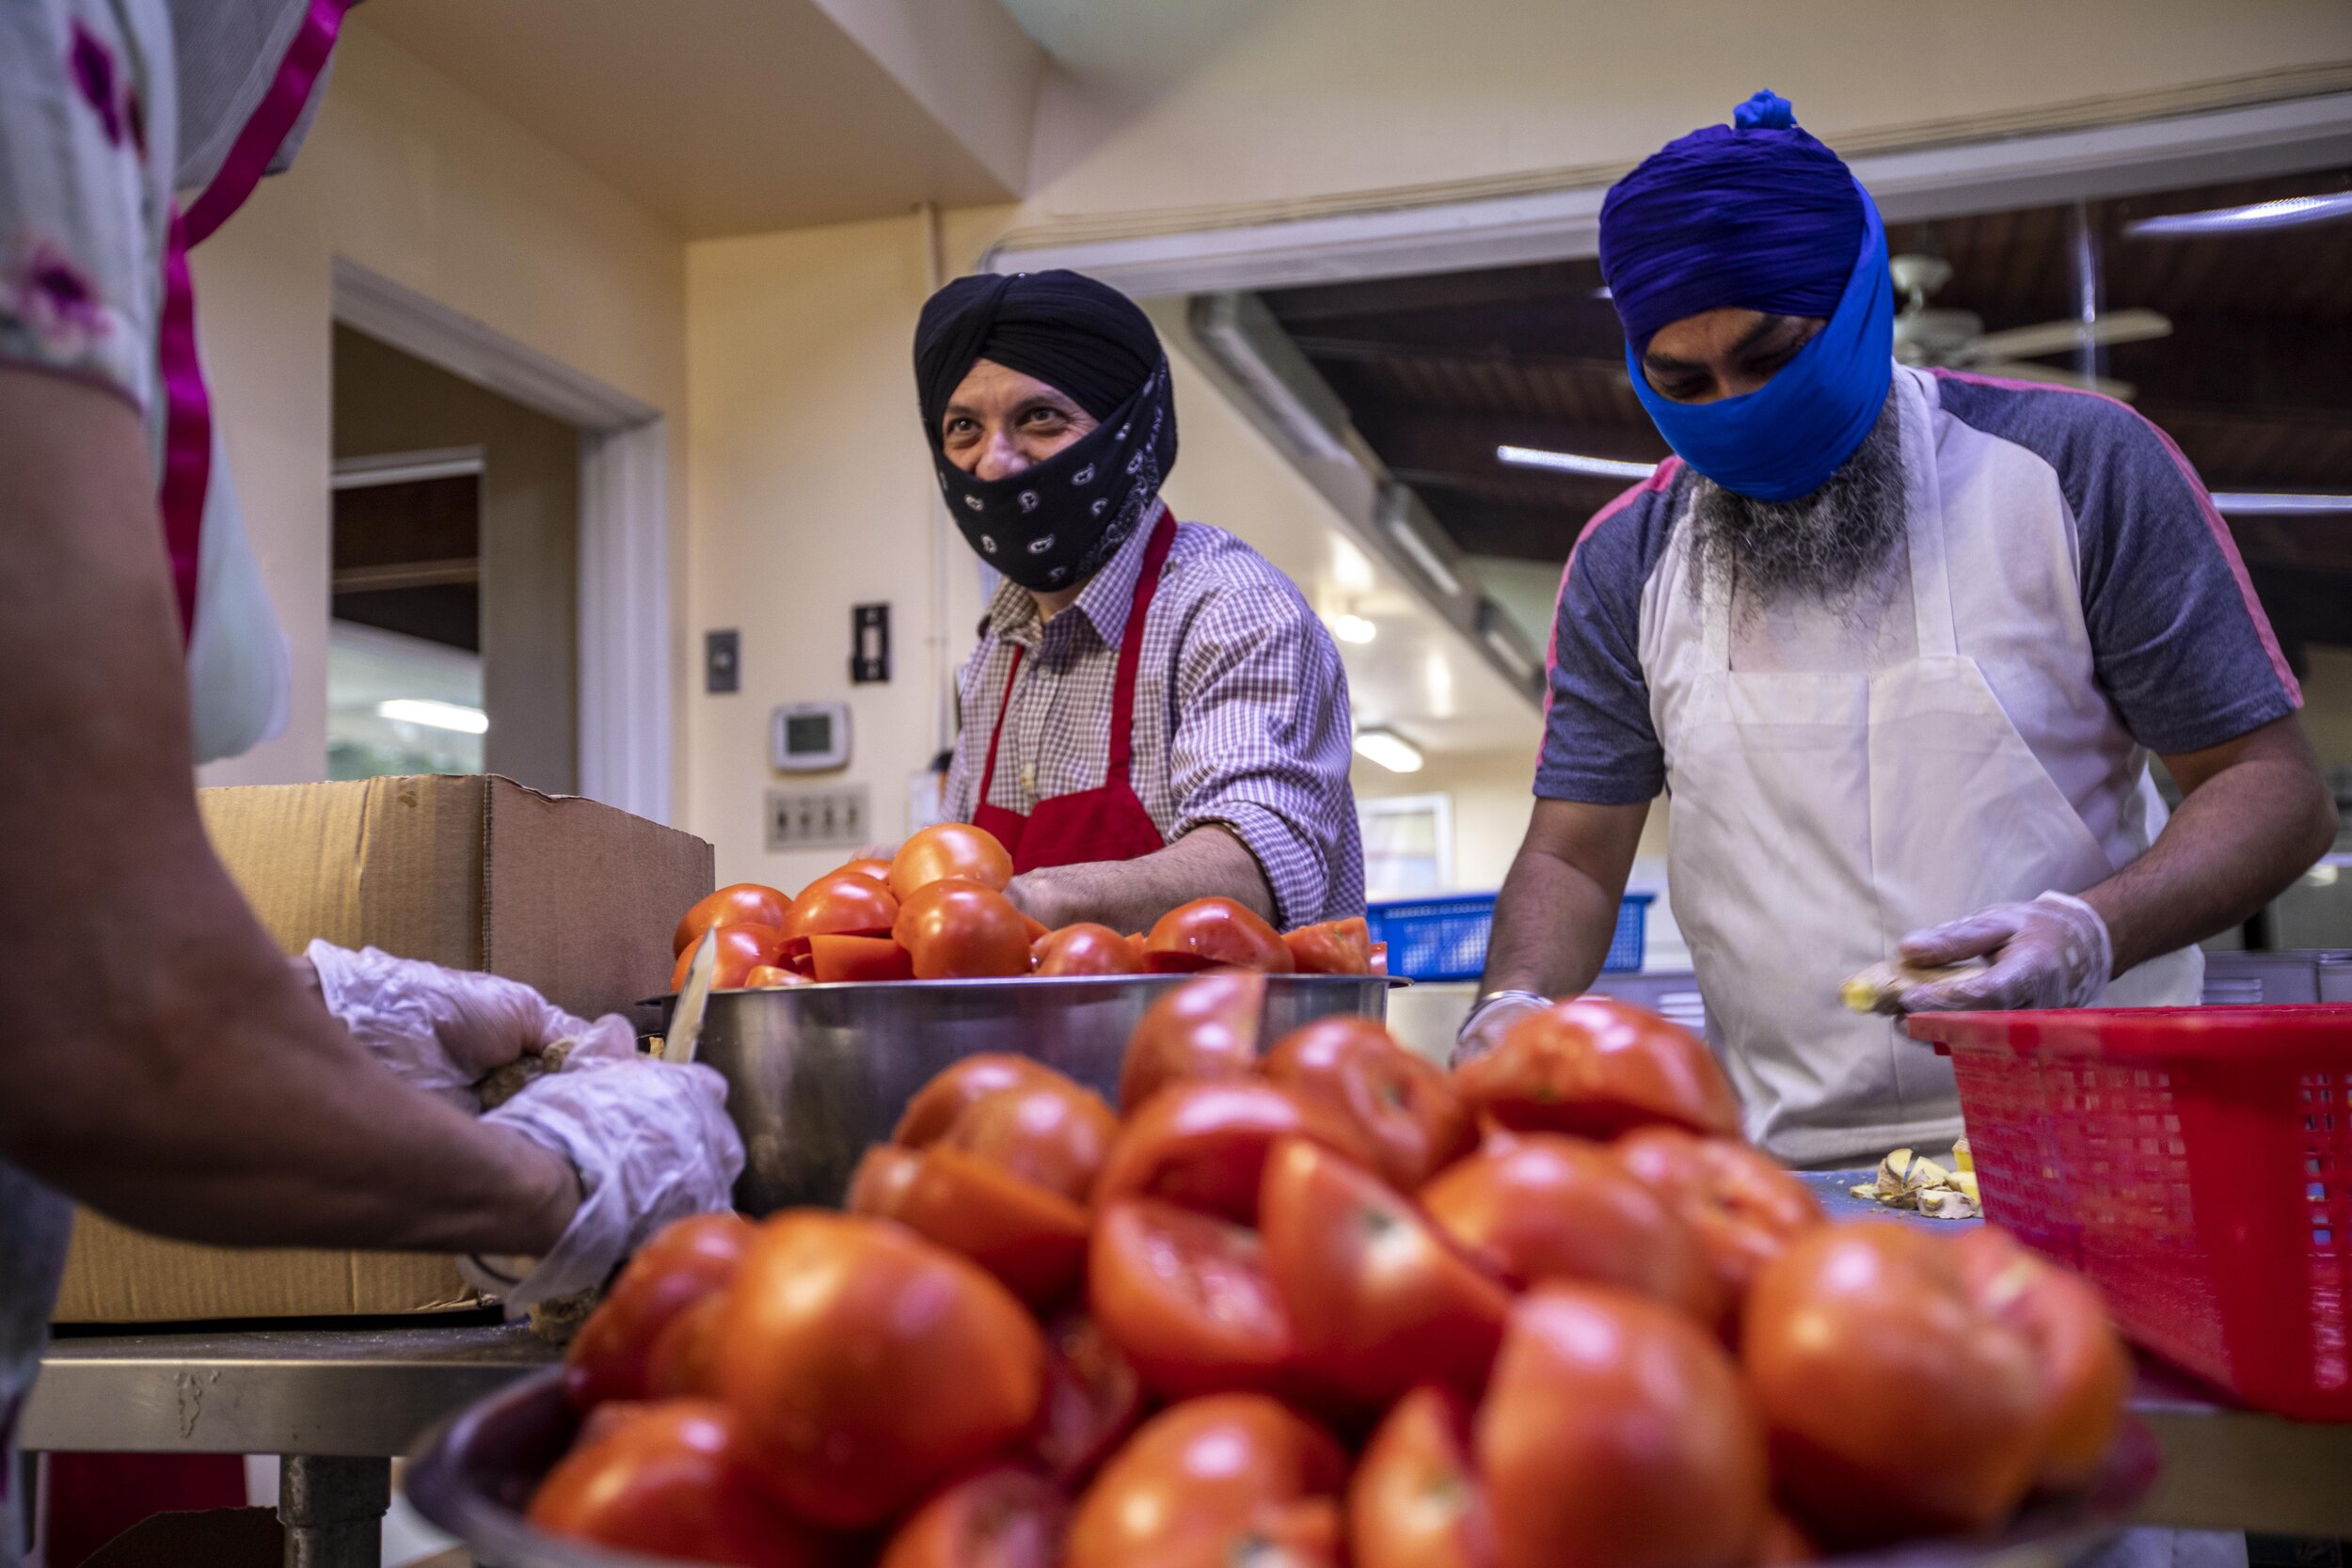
1241,712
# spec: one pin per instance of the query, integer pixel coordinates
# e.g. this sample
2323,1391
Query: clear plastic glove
651,1142
443,1030
1490,1020
2053,952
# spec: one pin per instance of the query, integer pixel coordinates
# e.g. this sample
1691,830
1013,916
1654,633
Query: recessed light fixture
1389,749
2284,214
432,715
2261,503
1574,463
1353,629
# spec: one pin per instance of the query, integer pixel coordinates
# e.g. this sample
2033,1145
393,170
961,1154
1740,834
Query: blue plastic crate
1445,938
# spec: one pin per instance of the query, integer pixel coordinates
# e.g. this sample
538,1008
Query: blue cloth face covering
1785,438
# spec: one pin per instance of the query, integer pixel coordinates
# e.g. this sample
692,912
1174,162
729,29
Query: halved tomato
1033,1240
1742,1207
1597,1067
685,1262
1379,1299
1334,948
1207,1473
770,977
867,1365
937,1103
1210,933
672,1480
957,930
949,849
741,904
1379,960
741,949
1204,1028
1052,1132
1094,1398
2085,1372
843,903
1204,1145
679,1365
1085,948
846,958
1540,1207
1187,1299
1412,1121
1415,1501
1000,1518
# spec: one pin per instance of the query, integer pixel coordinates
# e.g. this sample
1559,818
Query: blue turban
1757,215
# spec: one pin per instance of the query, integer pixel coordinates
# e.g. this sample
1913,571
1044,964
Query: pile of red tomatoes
938,912
1313,1302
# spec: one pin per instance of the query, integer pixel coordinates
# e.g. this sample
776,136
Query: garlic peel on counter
1908,1179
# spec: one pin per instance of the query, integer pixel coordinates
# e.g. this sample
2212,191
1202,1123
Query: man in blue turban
1899,643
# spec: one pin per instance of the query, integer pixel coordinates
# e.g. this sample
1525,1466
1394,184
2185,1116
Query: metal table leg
333,1509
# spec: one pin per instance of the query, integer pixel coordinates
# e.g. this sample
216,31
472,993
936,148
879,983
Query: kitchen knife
685,1033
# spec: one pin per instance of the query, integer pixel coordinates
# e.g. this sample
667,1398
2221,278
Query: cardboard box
563,894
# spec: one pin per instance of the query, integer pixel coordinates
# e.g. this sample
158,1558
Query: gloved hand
2053,952
1489,1022
651,1142
443,1030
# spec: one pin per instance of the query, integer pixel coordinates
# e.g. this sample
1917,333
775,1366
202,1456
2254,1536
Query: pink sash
187,411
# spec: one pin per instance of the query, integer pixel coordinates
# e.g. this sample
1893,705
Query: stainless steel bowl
815,1073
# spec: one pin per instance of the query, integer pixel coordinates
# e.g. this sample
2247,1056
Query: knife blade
685,1033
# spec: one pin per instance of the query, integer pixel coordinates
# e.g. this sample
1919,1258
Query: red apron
1105,824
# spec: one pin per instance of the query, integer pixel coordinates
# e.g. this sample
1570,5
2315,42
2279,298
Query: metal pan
815,1073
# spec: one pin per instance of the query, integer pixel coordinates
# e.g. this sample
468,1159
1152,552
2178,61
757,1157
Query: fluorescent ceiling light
1389,749
432,715
2284,214
2257,503
1573,463
1353,629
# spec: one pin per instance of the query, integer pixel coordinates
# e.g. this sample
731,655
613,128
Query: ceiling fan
1936,335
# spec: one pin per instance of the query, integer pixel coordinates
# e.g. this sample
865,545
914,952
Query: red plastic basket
2195,1162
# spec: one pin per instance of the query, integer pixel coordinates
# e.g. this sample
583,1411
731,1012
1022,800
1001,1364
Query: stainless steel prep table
335,1404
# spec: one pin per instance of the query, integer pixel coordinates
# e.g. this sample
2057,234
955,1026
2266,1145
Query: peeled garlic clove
1963,1157
1966,1181
1867,1193
1893,1173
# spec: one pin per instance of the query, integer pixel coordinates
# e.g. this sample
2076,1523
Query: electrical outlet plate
835,818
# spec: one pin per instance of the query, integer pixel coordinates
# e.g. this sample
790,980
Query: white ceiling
721,117
1130,37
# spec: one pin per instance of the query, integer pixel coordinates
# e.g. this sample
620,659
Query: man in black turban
1153,714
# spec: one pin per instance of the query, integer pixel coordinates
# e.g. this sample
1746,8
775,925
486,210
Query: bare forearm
1129,896
1551,929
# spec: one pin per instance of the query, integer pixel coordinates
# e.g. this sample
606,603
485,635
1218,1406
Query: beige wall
2328,706
1314,103
409,176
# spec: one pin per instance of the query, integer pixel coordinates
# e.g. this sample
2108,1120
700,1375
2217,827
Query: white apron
1820,817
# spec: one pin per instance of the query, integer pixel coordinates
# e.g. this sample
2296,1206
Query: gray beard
1824,548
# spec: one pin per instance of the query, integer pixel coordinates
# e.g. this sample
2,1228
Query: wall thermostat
809,737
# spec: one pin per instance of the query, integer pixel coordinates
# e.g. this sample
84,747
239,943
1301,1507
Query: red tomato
864,867
959,930
842,903
1208,933
1741,1206
1782,1545
1412,1121
1092,1398
1305,1534
848,958
1001,1518
741,949
1379,960
678,1365
1033,1240
866,1364
1378,1298
1616,1434
1334,948
1854,1336
1052,1132
2085,1371
1213,1470
1086,949
949,849
1204,1145
671,1482
1596,1066
1539,1207
1204,1028
937,1103
743,904
770,977
1185,1298
1415,1500
687,1262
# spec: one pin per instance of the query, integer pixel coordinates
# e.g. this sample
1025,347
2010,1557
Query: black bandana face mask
1053,526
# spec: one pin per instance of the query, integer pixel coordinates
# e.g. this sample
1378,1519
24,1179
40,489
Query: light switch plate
838,818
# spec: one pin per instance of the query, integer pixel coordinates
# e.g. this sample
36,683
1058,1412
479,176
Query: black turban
1084,339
